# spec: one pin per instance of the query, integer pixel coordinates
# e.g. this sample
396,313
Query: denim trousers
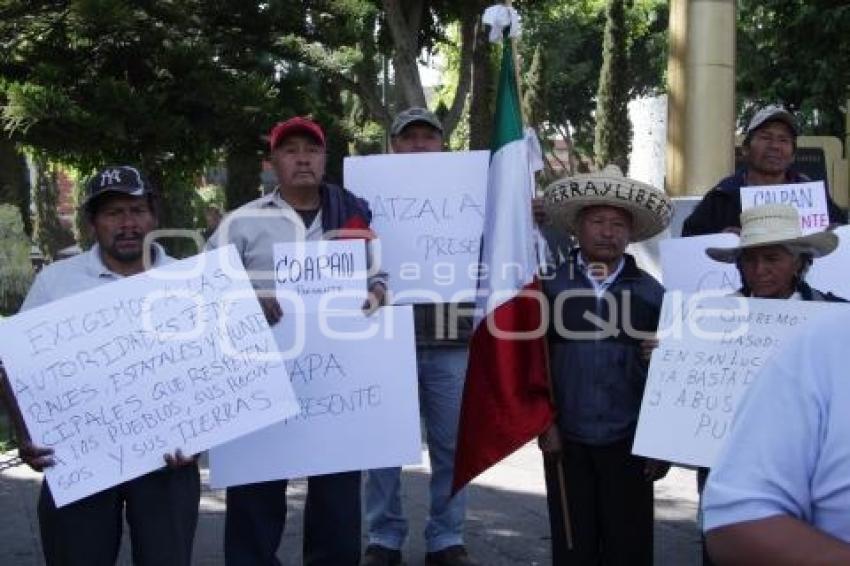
441,373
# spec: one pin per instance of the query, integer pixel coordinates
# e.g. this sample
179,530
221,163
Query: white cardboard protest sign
686,267
114,377
357,387
310,275
703,367
831,273
808,198
428,211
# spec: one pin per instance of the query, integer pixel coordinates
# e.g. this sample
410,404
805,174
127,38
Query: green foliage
15,181
15,268
613,127
795,52
569,36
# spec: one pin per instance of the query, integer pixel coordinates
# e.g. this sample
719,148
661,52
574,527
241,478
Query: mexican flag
506,398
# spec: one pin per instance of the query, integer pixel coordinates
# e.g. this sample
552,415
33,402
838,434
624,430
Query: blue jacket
599,377
721,206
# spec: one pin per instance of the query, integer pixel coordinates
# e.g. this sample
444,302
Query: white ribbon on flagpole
500,17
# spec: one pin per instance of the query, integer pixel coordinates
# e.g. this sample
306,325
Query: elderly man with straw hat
604,315
773,255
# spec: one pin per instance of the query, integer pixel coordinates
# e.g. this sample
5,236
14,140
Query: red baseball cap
296,125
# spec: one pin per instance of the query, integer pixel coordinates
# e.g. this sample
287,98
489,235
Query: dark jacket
807,293
721,206
599,376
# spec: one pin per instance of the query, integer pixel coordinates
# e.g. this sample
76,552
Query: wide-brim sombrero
650,208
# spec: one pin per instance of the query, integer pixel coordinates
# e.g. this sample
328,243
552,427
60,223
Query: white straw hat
649,207
775,225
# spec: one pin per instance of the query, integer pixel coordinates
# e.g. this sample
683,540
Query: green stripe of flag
507,126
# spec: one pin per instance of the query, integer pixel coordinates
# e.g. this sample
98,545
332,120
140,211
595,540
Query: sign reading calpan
355,378
711,350
808,198
428,211
180,357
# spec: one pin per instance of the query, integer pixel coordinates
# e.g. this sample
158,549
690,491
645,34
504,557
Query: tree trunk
243,177
15,181
47,227
481,105
403,19
467,52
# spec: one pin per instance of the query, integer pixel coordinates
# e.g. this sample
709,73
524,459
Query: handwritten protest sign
324,273
685,266
710,352
428,209
808,198
115,377
832,272
356,383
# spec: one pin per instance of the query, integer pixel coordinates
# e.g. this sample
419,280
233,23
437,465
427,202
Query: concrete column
701,96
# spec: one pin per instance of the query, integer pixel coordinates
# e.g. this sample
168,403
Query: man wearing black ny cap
161,507
769,147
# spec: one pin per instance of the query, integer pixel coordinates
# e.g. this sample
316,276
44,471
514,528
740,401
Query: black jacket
721,206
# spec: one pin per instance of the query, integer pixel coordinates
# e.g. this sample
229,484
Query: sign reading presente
428,211
355,378
115,377
808,198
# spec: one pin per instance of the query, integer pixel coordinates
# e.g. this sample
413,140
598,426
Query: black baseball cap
121,179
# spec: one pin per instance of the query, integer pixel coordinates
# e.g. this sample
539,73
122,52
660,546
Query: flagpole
559,462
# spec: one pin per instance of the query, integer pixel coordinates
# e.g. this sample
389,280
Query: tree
15,181
569,36
613,139
48,230
780,61
15,267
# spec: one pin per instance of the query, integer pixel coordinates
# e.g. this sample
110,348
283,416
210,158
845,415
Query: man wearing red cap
303,207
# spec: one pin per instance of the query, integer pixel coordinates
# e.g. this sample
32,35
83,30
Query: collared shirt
255,227
600,286
77,274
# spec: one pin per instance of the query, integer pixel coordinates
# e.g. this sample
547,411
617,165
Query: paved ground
507,523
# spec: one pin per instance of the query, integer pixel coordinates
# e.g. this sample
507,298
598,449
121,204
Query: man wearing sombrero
773,256
605,312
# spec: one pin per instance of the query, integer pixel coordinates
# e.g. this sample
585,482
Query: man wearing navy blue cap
161,507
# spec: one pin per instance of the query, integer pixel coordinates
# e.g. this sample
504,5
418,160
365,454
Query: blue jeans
441,376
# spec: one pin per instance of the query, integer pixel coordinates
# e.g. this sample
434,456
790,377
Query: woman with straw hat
773,255
604,315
